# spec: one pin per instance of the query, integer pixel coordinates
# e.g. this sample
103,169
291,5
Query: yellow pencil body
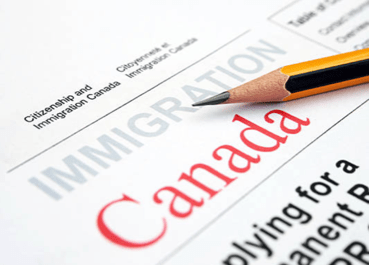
300,80
324,63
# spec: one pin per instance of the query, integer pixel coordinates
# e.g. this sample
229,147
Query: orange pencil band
300,80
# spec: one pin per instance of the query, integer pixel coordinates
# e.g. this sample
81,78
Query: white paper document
104,160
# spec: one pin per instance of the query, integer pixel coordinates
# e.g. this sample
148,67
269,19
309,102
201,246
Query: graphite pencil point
217,99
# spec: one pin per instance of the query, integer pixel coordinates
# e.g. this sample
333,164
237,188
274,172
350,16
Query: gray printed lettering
73,164
109,152
127,137
46,189
197,94
175,106
208,76
246,58
261,51
161,125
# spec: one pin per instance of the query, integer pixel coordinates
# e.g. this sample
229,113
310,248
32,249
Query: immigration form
104,161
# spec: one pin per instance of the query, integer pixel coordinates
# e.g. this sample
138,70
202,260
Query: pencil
300,80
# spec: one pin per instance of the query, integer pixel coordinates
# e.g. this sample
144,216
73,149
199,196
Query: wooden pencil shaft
267,88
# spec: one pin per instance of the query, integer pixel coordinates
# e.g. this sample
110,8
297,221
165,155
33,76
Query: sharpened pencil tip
217,99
